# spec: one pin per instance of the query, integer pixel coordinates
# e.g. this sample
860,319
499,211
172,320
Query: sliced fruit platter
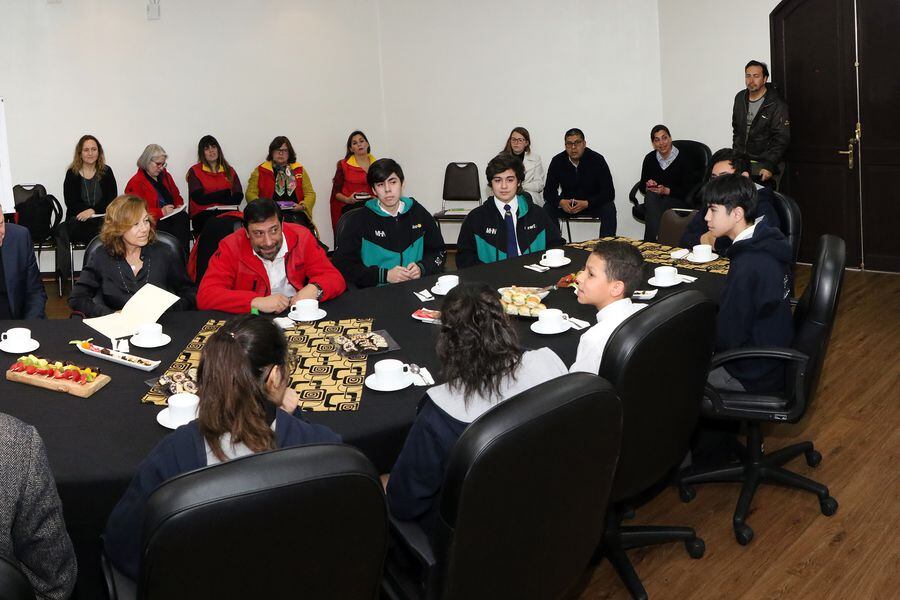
56,375
129,360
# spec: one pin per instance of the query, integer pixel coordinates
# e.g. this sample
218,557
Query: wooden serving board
60,385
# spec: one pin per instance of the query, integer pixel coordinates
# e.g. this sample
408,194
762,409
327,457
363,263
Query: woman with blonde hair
88,188
131,256
245,407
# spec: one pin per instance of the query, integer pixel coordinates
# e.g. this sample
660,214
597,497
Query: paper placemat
324,380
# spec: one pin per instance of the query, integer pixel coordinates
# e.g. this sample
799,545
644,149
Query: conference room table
95,444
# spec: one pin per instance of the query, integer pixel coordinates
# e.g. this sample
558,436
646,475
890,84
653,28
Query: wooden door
878,22
813,56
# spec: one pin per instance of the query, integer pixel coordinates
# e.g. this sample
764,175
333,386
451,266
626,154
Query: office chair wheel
743,534
813,458
828,506
695,548
686,493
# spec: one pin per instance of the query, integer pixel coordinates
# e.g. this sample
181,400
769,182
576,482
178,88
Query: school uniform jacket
482,237
236,275
372,242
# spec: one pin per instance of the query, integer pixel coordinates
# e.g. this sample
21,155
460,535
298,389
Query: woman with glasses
88,189
484,364
519,145
245,407
212,183
350,188
284,180
155,185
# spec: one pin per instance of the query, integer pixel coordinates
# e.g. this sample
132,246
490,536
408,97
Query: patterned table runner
660,254
324,379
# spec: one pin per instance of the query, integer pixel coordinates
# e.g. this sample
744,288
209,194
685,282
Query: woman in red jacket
155,186
350,189
212,183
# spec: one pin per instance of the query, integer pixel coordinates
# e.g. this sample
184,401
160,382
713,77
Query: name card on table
146,306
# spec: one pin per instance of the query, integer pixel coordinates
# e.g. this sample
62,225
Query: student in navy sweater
245,407
484,365
667,177
754,309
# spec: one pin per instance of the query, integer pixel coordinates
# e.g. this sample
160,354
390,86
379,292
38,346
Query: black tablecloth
95,444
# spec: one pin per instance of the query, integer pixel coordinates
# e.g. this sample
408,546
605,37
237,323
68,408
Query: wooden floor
797,552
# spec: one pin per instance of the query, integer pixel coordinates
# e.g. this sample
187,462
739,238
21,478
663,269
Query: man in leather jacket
760,124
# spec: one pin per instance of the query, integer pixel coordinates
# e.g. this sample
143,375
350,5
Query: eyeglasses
281,150
517,140
159,165
574,144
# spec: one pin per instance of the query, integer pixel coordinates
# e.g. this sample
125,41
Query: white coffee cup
552,318
703,252
391,373
665,275
554,256
445,283
16,337
149,333
182,408
307,308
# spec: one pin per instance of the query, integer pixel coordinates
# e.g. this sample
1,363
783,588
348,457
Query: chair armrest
415,540
632,195
786,354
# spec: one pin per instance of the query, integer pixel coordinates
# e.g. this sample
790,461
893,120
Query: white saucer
561,263
536,327
372,384
691,258
653,281
163,340
439,292
162,417
320,313
30,347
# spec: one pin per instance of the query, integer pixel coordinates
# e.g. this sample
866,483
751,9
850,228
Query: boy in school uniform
754,309
611,274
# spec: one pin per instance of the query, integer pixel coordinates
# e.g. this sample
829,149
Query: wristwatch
319,290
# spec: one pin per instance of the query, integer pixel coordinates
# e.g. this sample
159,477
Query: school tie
512,248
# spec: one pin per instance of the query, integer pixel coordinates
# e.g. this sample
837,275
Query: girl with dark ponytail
245,407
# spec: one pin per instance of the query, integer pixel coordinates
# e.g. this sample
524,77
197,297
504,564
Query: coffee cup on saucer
445,283
18,339
391,374
182,409
665,276
554,256
306,309
553,319
150,333
702,252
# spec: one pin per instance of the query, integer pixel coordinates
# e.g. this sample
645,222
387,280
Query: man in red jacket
268,265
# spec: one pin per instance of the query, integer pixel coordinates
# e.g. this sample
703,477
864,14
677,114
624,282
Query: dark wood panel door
813,66
878,22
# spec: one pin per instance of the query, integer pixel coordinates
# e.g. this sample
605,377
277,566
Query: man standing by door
760,124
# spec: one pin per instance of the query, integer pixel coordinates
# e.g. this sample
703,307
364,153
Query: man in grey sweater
32,530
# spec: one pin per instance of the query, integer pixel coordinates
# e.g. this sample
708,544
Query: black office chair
308,521
41,214
699,154
788,212
521,509
214,231
672,225
813,322
345,218
167,239
460,187
13,583
657,360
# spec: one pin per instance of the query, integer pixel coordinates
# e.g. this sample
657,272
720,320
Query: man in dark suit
22,294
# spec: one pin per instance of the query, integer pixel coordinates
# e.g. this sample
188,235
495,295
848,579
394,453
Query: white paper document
174,212
223,207
146,306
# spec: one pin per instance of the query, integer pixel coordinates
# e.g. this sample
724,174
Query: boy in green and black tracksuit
372,242
482,237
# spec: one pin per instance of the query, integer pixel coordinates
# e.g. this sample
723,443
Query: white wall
430,82
704,46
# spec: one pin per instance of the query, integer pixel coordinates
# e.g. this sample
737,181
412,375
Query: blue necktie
512,248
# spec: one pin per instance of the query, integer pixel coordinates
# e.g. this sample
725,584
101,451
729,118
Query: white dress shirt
275,269
593,341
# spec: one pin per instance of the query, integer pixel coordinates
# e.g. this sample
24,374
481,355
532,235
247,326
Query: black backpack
38,211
